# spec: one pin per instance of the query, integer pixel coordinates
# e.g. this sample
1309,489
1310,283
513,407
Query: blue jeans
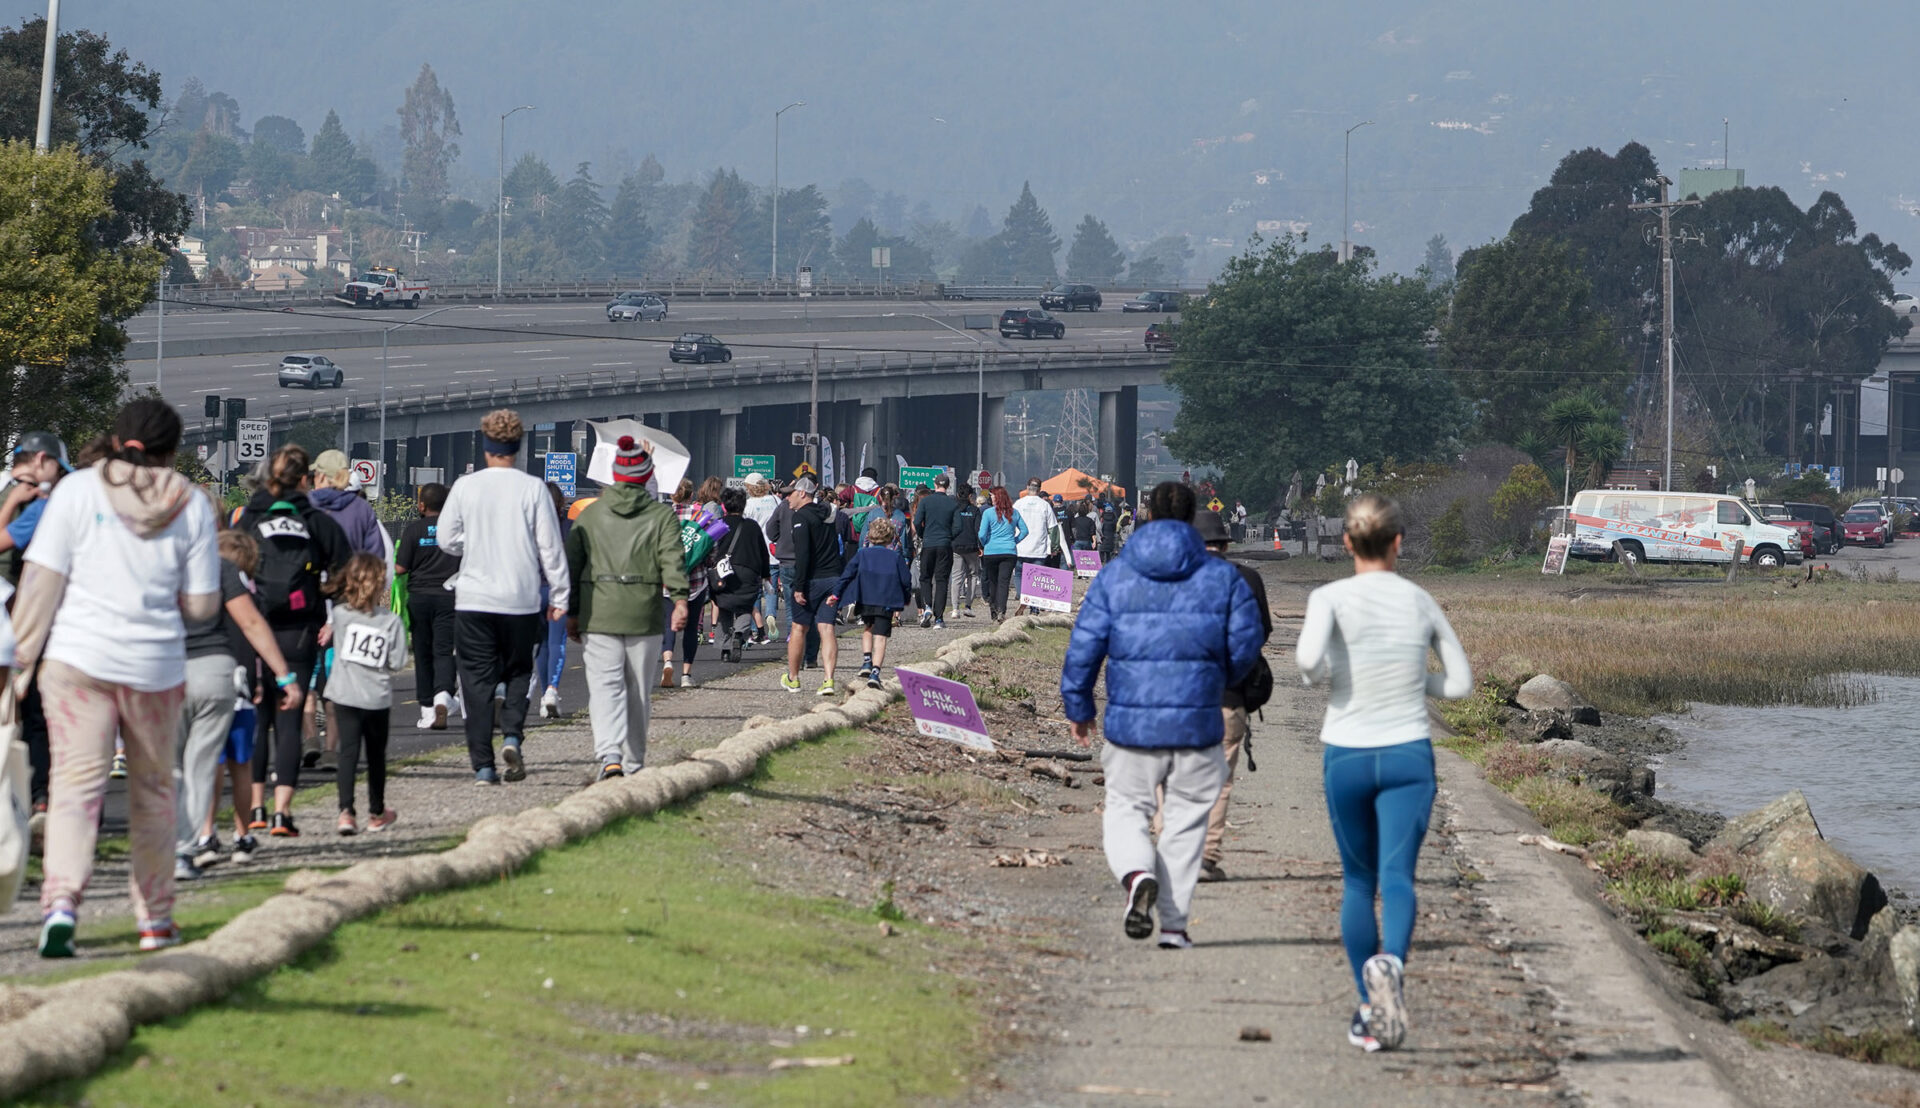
772,591
1379,800
550,656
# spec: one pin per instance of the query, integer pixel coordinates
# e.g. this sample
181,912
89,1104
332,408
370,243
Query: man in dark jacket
933,522
1174,626
817,563
1233,706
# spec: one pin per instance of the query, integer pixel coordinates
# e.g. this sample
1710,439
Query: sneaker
244,848
184,869
205,851
1210,871
310,760
1175,940
442,705
926,618
383,821
257,821
458,705
1357,1032
282,827
119,771
968,612
1143,891
510,754
866,670
789,682
826,688
1387,1018
666,676
486,775
873,679
939,625
346,825
427,720
709,638
686,680
550,704
56,933
158,934
612,770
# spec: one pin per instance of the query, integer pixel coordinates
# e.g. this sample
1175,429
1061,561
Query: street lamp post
500,205
383,368
775,273
979,390
1346,173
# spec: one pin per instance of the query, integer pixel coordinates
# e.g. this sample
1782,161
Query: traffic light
213,407
236,411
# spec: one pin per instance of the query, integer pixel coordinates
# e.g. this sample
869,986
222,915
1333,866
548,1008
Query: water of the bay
1860,769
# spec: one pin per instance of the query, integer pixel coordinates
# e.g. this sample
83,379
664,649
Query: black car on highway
1153,302
1029,323
1071,298
697,347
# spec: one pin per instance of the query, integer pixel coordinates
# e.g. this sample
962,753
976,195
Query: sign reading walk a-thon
944,709
1086,563
1049,590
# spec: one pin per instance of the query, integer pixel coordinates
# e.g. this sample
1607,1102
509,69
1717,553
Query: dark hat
1211,527
43,442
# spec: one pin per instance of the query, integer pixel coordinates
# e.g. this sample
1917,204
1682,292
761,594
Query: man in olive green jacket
624,559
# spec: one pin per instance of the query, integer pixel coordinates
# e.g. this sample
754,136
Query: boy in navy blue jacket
875,586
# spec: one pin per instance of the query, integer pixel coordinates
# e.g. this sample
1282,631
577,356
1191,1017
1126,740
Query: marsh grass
1570,813
1655,649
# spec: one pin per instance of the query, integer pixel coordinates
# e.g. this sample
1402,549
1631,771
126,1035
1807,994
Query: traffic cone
1276,538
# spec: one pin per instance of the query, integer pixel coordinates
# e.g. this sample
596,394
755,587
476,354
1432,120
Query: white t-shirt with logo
120,620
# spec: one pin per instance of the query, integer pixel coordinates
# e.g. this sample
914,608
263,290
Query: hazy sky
1198,118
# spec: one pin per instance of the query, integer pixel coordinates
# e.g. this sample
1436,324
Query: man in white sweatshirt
1033,508
500,522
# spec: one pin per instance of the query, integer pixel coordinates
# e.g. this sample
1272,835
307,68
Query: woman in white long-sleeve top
1366,638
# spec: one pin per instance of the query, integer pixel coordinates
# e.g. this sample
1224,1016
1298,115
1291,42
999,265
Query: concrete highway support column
1120,435
996,434
865,434
726,440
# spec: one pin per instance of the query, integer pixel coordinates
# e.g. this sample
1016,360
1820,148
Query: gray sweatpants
205,718
1192,779
966,579
620,672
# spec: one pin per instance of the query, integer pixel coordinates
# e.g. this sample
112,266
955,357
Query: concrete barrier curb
70,1030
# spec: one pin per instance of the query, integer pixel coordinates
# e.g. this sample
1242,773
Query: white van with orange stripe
1677,527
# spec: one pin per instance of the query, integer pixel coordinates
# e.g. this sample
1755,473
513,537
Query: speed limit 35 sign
252,444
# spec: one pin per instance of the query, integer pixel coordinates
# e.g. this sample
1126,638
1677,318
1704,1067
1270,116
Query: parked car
1866,527
1904,303
629,306
1885,509
1778,515
1162,336
1654,526
1030,323
1153,302
1071,298
1826,525
312,370
1906,512
697,347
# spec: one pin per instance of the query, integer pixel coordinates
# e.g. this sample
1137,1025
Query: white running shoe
1386,1000
686,679
428,717
550,703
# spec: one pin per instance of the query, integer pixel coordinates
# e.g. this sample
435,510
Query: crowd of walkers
1179,630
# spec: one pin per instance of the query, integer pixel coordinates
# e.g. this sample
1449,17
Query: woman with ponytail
123,557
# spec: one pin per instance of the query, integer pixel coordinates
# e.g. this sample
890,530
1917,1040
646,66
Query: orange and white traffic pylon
1276,538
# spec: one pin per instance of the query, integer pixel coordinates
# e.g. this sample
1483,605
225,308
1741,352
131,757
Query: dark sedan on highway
1153,302
1071,298
1030,323
697,347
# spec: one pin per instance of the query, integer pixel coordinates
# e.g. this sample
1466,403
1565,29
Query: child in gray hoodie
369,647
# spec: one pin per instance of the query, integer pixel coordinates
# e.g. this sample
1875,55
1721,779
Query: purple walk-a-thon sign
944,709
1047,589
1086,563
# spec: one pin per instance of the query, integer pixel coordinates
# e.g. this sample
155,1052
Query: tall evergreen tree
1094,255
334,162
722,221
629,238
1438,267
1029,238
279,133
531,190
579,217
428,126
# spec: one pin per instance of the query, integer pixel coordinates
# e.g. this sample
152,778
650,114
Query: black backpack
287,577
1257,687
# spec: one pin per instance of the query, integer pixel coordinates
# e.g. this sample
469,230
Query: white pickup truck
381,287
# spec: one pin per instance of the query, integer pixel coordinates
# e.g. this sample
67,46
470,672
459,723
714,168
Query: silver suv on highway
311,370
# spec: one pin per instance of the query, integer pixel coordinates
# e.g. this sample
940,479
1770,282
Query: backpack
1257,687
287,579
695,543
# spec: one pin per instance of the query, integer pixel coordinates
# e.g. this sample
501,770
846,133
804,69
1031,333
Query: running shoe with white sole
442,708
789,682
516,766
384,820
184,869
550,703
346,825
428,717
1387,1020
158,934
205,851
873,680
686,680
1175,940
244,848
1357,1032
826,688
56,933
1142,893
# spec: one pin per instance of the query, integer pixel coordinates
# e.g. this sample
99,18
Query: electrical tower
1078,445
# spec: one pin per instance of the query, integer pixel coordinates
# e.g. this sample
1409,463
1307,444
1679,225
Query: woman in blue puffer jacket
1175,626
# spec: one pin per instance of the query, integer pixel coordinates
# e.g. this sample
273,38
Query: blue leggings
1379,800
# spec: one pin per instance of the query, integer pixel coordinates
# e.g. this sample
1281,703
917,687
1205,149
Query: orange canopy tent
1071,484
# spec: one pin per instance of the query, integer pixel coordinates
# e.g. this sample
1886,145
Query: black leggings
300,646
356,724
996,572
689,638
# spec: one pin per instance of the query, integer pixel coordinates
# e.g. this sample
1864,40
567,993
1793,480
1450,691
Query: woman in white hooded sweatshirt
1366,638
124,555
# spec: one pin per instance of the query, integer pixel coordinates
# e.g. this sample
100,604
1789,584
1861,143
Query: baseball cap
330,461
756,478
43,442
805,485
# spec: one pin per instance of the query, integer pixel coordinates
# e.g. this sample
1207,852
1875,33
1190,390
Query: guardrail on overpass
632,387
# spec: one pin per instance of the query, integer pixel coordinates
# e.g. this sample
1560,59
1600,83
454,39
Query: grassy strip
641,965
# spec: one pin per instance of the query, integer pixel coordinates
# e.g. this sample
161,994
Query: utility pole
1346,163
160,335
1665,208
813,412
774,274
43,133
499,206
